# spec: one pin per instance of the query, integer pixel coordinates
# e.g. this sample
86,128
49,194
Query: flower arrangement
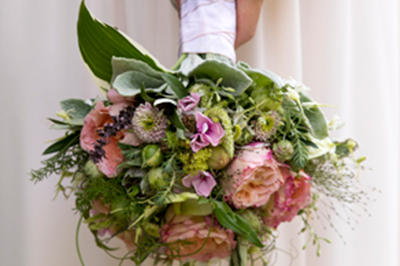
197,163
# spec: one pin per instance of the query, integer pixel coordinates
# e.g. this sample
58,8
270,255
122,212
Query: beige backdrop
347,51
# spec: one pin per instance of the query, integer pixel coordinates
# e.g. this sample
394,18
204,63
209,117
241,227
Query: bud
283,150
252,219
156,178
219,158
152,156
92,171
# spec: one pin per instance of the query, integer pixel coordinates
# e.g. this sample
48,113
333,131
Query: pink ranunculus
94,121
193,230
293,196
189,102
252,176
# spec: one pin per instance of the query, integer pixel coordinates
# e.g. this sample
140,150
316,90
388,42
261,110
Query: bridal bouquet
198,163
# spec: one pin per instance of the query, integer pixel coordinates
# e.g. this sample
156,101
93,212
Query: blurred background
347,52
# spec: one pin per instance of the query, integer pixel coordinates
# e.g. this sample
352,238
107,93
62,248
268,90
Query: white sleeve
208,26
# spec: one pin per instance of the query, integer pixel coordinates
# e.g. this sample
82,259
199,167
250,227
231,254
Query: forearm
247,15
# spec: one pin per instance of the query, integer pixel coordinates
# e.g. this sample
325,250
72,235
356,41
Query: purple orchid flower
210,132
203,183
189,102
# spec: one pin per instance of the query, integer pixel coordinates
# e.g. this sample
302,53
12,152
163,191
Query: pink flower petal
203,183
215,133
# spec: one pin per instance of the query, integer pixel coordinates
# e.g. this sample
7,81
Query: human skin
247,16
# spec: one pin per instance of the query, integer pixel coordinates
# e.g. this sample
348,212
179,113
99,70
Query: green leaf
99,42
131,82
145,96
316,118
177,121
63,144
121,65
175,85
76,108
260,76
228,219
231,76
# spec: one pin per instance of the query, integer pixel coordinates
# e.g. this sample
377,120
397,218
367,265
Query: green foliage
214,70
228,219
76,108
130,83
108,43
317,120
175,84
295,129
64,143
72,157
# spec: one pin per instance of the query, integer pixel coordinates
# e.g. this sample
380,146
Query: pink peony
193,230
293,196
252,176
96,120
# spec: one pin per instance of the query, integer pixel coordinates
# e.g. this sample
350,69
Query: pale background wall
346,51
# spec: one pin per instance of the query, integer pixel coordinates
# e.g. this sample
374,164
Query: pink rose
252,176
95,121
293,196
194,229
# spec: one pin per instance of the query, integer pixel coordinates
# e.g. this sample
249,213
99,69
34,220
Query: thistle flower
266,125
283,150
149,123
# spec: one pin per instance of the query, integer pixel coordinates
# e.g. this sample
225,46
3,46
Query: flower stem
77,241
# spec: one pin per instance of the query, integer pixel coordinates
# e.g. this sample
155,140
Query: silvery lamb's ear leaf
231,76
130,83
260,76
315,117
76,108
121,65
99,42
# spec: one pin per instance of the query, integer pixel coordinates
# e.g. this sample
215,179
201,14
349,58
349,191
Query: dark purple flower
209,132
203,183
189,102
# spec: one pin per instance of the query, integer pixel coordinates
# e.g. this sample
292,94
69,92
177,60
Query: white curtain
346,51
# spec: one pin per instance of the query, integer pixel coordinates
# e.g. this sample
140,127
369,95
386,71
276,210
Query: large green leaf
231,76
76,108
99,42
315,117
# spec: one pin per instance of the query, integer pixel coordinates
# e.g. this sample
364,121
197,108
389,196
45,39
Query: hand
247,15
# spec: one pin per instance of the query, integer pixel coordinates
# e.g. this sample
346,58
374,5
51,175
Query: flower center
148,124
